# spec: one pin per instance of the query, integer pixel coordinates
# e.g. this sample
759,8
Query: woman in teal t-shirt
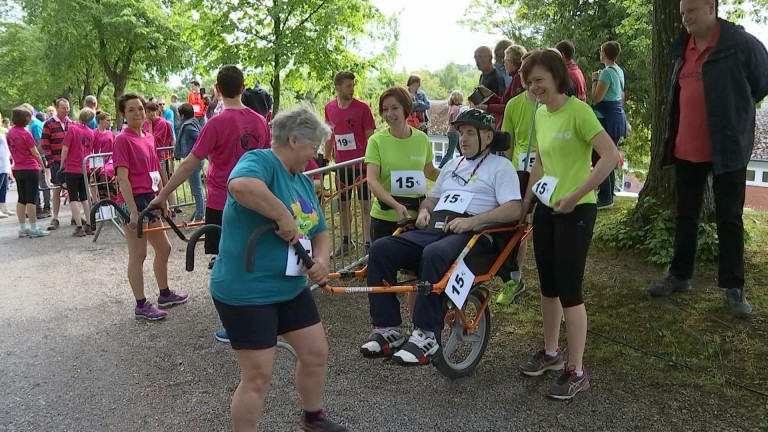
266,187
399,160
608,103
563,183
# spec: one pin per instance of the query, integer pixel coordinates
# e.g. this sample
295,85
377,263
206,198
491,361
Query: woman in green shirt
563,183
399,160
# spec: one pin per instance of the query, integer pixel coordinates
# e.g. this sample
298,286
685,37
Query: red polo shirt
693,142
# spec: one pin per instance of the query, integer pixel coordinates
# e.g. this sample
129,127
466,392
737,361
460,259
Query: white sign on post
98,162
106,212
294,264
459,284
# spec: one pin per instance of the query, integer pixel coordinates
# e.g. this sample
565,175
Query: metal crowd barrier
331,203
182,196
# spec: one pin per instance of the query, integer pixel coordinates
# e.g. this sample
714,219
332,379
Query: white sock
429,334
515,276
550,353
23,226
579,373
33,226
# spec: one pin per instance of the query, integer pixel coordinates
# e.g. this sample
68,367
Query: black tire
445,362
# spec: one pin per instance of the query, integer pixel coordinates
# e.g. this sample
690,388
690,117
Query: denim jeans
3,187
196,187
453,142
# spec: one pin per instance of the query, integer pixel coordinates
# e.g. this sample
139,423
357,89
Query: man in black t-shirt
491,78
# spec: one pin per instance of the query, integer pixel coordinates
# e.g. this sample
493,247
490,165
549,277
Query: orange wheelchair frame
140,230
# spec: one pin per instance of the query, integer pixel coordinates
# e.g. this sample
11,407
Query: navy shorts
142,201
256,327
57,178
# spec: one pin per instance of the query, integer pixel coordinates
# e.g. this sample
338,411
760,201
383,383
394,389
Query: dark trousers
212,217
431,254
728,188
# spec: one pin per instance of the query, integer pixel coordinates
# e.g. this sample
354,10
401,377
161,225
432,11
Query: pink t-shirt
138,155
223,140
312,165
161,130
103,142
20,142
349,126
79,139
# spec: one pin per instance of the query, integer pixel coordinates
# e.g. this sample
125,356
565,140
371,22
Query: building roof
760,152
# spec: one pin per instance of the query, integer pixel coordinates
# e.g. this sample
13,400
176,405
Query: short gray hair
301,122
91,101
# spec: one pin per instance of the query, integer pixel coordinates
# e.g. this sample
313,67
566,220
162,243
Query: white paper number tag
345,142
544,188
530,157
459,284
455,201
408,182
106,212
155,177
98,162
196,108
293,265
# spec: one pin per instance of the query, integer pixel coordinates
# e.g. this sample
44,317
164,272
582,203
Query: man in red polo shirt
568,51
352,123
720,74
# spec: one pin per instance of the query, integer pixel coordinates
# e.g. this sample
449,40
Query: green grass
695,330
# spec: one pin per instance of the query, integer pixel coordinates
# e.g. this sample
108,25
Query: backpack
257,99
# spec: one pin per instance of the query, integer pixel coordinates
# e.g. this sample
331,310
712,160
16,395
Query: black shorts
142,201
76,187
212,238
257,327
56,177
27,185
347,177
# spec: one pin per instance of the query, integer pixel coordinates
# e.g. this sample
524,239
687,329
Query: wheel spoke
452,342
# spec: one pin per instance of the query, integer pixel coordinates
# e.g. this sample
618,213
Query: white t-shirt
5,156
494,183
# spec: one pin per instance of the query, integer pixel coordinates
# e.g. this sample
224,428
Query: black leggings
381,228
26,185
561,244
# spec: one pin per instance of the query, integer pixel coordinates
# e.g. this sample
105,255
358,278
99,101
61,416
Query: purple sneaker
150,312
172,299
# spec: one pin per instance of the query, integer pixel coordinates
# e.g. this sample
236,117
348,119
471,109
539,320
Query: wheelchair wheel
460,353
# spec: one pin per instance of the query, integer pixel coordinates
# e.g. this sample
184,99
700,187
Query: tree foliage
289,42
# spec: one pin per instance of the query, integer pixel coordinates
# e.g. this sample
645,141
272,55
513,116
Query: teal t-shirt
614,77
36,129
268,284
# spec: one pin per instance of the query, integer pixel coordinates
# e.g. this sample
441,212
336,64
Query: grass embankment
702,346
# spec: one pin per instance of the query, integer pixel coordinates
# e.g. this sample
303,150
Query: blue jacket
420,101
735,79
188,133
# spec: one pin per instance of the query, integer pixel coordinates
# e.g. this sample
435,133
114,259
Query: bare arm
179,176
609,157
510,211
126,190
64,154
431,172
599,89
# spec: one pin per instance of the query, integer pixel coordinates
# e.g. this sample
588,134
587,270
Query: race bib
544,188
155,177
345,142
459,284
529,157
408,182
98,162
455,201
196,108
294,264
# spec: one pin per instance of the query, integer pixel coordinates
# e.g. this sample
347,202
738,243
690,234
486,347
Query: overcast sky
430,35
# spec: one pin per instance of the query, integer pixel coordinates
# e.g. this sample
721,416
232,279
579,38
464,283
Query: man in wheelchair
478,188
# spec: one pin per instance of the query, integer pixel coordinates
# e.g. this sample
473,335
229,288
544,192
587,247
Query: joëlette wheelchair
140,230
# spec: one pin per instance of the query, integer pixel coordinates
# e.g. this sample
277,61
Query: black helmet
477,118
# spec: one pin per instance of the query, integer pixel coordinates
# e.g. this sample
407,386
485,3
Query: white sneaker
37,232
382,343
417,350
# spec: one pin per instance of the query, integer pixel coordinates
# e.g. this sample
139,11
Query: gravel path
74,358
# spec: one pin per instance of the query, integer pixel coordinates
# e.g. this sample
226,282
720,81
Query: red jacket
196,100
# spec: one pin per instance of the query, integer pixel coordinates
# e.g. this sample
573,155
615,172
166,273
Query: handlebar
150,209
254,238
193,239
105,202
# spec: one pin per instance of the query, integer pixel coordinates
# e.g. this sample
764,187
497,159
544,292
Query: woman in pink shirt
138,173
26,170
160,129
103,138
77,144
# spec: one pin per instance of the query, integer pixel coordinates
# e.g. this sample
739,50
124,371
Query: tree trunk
119,85
660,183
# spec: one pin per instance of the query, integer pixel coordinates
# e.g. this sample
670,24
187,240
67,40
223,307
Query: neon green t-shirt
518,119
564,148
394,154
